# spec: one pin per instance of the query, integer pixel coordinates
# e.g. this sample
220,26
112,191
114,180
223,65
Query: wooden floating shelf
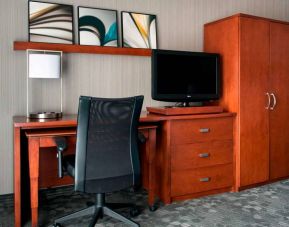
70,48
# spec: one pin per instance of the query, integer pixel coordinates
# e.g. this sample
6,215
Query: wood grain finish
43,163
150,151
245,83
49,134
41,133
191,156
202,179
222,37
226,45
185,110
48,174
254,121
68,48
201,168
71,120
176,152
106,75
17,177
163,165
148,162
27,123
33,152
201,194
259,67
201,130
279,84
250,16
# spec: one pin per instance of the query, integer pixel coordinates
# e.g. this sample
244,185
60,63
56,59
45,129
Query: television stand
185,110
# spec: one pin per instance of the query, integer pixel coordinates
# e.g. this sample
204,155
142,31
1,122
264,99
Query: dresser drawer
189,156
203,179
201,130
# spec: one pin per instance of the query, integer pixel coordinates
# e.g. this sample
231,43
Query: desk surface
71,120
27,158
23,124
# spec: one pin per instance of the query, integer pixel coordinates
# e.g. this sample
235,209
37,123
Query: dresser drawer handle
204,130
204,155
205,179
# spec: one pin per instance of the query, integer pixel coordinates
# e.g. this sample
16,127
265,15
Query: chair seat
69,164
97,185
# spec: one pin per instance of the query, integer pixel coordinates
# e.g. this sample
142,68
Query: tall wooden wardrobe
255,85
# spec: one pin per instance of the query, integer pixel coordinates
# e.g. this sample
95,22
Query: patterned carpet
263,206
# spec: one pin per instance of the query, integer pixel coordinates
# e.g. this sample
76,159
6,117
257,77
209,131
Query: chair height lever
61,145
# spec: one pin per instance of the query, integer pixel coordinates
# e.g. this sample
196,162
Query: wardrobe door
254,117
279,114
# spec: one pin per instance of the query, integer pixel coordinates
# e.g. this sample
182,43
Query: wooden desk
36,134
184,170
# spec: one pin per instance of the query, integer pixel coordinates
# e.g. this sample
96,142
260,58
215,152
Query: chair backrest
107,157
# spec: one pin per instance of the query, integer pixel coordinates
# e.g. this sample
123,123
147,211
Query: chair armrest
61,145
141,138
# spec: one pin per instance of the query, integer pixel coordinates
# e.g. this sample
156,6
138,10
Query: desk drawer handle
204,155
204,130
205,179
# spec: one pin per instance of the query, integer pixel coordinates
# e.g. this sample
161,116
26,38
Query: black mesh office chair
106,157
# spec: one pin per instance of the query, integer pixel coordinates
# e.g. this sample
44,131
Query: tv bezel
183,97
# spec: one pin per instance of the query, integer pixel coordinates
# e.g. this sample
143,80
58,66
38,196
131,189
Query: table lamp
43,64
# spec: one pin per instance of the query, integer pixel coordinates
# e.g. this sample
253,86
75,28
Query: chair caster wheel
153,207
134,212
56,225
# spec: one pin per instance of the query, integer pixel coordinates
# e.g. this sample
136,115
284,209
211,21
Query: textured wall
180,27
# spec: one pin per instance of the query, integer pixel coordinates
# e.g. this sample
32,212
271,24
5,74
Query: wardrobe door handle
269,100
274,101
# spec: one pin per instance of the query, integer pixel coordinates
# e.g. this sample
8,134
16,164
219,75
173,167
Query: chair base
99,209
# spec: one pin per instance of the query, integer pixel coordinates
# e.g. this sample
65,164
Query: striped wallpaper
180,27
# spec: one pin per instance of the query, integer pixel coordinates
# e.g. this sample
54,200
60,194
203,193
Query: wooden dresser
195,156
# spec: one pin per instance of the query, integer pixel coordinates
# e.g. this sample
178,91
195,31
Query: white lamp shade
47,65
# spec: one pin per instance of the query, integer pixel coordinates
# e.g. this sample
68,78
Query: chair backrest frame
83,134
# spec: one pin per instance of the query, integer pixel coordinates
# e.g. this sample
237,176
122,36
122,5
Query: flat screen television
181,76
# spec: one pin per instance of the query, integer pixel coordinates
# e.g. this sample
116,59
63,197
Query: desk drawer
203,179
201,130
189,156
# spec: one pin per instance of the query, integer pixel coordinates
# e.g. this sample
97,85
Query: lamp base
45,115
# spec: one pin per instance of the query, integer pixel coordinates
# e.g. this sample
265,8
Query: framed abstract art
139,30
51,23
97,27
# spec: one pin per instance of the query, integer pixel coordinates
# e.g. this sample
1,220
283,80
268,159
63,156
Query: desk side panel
17,178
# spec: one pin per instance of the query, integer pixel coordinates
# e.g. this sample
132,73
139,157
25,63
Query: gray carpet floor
263,206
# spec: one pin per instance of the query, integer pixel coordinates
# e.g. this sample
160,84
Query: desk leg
151,149
33,149
17,178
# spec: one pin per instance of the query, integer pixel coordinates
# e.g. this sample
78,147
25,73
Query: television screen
184,76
